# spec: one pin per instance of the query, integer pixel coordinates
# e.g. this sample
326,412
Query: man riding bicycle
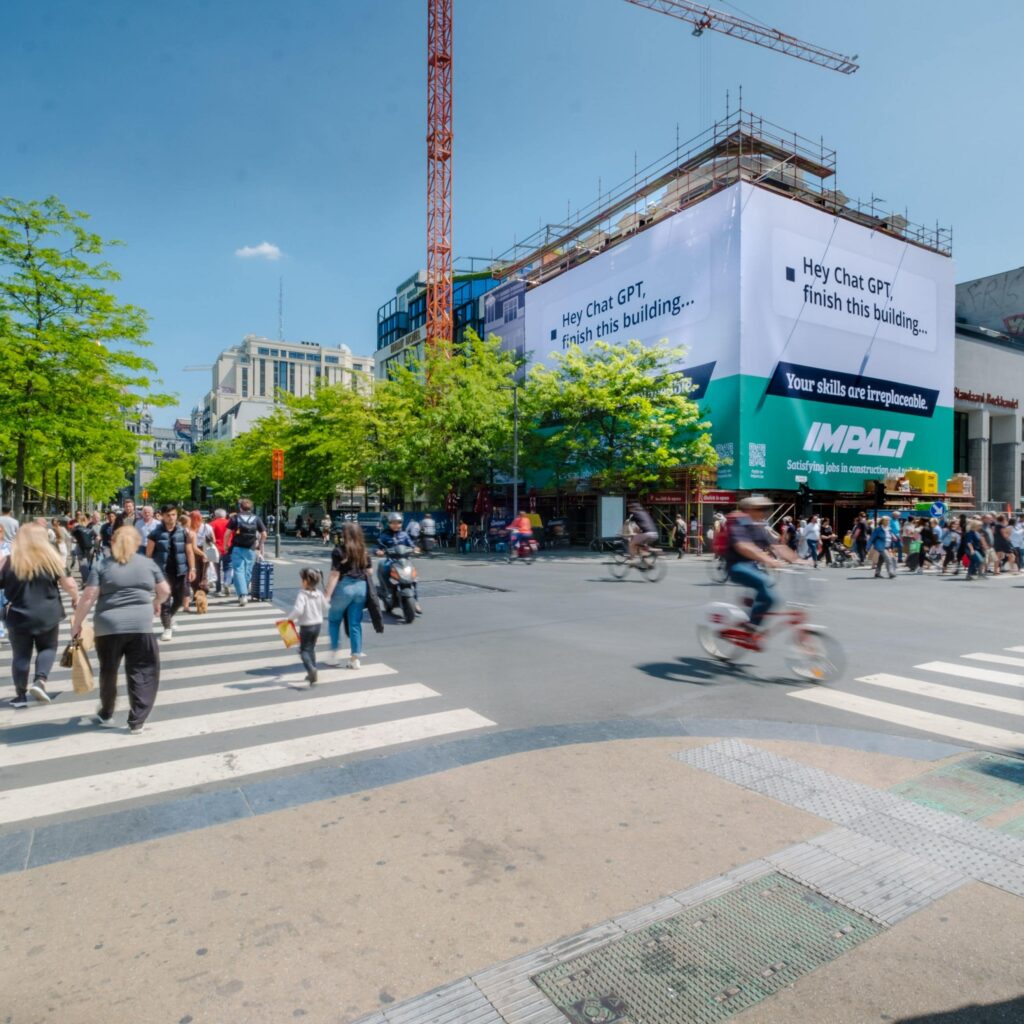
647,533
750,550
521,528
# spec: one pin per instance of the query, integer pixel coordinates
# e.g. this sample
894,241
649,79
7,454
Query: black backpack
247,532
86,539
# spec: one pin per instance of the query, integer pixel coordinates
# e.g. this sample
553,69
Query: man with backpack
248,535
749,548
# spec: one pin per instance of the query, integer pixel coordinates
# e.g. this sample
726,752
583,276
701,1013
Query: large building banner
847,340
819,348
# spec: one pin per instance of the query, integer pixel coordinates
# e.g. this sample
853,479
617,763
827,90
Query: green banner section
767,441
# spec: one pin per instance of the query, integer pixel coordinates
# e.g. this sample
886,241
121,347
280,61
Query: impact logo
823,437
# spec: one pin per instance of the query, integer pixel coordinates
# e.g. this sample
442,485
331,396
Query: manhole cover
710,961
456,588
974,788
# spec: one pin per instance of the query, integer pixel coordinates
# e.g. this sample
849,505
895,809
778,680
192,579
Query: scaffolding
741,147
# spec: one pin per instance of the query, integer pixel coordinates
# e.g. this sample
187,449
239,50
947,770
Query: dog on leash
201,602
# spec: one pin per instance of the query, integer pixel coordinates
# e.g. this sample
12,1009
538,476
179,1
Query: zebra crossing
938,700
233,705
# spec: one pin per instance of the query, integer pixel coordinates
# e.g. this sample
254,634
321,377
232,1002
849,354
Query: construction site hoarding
819,349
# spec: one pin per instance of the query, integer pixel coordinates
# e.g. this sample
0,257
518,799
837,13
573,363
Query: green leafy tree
449,417
173,481
67,346
617,414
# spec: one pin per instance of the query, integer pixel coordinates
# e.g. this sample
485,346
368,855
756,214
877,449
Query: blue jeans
748,575
242,561
349,598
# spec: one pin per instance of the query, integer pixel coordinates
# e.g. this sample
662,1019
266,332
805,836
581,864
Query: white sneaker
38,691
242,602
167,634
353,662
332,659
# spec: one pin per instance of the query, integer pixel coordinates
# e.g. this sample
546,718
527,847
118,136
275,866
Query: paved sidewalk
354,907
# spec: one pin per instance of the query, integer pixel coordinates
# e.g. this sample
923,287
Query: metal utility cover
974,787
710,961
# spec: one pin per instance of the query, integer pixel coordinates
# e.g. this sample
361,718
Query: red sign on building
718,497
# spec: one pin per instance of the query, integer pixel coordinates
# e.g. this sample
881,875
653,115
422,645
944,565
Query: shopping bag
88,636
289,634
873,556
67,659
82,678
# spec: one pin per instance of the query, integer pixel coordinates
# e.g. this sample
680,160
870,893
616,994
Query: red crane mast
439,172
439,125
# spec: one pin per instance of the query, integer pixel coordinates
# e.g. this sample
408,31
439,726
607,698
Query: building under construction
818,329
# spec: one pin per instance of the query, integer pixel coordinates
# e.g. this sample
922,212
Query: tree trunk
19,479
56,489
42,495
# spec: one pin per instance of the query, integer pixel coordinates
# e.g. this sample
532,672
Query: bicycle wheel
718,571
619,565
653,568
815,656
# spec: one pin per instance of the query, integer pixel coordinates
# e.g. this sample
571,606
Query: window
960,420
291,378
331,359
263,351
245,381
263,376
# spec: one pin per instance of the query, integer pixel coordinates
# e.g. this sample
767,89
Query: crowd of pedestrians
987,544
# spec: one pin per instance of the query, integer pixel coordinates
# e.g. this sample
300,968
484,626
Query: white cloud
265,250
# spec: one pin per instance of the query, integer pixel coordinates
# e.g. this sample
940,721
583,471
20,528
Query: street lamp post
514,388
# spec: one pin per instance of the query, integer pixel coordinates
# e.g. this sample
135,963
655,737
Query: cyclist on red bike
751,548
519,529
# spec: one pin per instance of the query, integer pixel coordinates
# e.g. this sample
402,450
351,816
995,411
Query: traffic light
204,495
806,500
195,490
879,494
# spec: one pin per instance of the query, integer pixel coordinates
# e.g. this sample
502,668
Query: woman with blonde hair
31,580
130,589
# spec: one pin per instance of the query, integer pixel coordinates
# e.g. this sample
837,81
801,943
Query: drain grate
456,588
710,961
974,788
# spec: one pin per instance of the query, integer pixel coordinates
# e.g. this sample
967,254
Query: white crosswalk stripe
90,741
907,694
927,721
72,706
233,703
173,776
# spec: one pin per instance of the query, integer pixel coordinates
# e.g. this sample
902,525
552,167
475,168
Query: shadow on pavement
694,670
1010,1011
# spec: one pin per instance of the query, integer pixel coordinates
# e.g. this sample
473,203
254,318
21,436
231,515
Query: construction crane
440,137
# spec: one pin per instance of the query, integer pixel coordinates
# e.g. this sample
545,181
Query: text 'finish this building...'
819,332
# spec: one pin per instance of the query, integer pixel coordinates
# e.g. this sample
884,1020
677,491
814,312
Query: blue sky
193,129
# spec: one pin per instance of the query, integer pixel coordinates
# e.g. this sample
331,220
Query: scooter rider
751,548
395,536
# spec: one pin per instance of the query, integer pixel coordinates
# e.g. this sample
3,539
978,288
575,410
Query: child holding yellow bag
308,616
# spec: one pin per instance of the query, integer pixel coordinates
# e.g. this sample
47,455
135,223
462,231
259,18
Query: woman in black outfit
32,579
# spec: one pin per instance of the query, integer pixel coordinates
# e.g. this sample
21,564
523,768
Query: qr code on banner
756,454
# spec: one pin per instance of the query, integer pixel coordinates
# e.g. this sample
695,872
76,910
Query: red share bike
812,653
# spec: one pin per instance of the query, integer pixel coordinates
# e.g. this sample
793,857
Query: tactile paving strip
709,961
944,848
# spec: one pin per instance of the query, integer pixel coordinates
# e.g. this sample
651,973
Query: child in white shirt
308,616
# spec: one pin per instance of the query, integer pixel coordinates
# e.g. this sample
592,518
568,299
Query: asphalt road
506,647
561,641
